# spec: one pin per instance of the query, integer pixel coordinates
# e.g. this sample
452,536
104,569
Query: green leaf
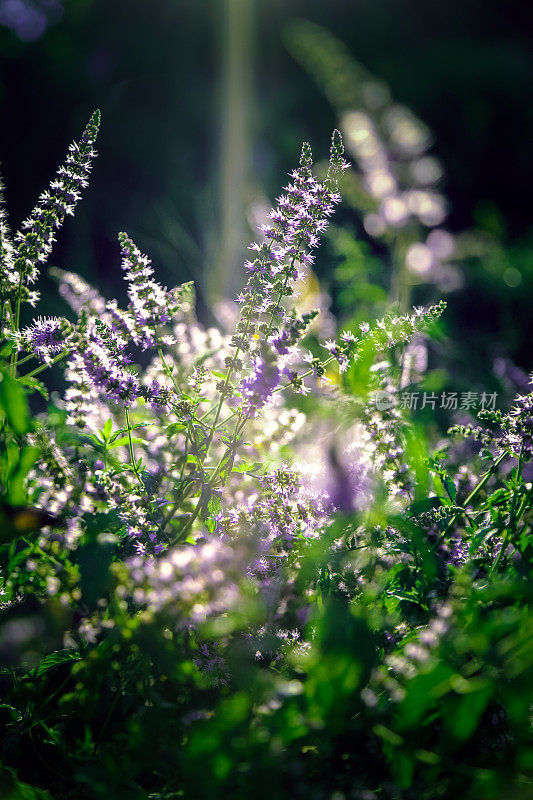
123,441
450,487
175,427
480,537
245,467
121,431
36,385
56,659
214,507
423,506
106,430
13,403
6,350
27,458
11,788
465,718
101,522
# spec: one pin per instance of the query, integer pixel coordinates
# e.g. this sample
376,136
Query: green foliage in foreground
413,679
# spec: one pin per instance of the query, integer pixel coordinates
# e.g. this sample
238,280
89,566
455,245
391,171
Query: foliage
228,570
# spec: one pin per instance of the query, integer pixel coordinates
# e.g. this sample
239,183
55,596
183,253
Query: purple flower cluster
80,295
33,243
301,214
82,401
150,305
211,663
104,361
101,362
257,387
136,510
282,511
519,426
45,338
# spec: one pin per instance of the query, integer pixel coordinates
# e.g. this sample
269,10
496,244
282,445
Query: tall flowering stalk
151,306
301,215
7,275
20,263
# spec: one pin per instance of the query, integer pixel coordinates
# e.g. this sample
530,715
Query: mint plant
231,572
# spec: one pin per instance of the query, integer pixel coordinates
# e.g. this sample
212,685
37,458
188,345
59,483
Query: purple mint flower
34,242
520,420
458,553
78,293
151,305
46,337
292,332
257,388
103,358
302,212
157,395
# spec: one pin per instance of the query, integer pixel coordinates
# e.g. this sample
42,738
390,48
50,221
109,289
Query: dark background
158,71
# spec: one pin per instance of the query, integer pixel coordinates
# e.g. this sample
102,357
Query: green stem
473,494
25,359
169,371
508,531
42,368
269,329
305,375
188,525
14,355
130,443
240,421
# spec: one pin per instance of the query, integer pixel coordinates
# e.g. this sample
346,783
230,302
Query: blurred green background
204,109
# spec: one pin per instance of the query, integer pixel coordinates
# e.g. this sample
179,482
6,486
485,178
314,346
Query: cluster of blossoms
257,388
98,357
281,259
150,305
292,332
196,513
191,474
283,509
518,426
45,338
98,363
104,338
32,245
386,333
104,358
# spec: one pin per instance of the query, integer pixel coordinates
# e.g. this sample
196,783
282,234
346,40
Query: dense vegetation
278,546
241,567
